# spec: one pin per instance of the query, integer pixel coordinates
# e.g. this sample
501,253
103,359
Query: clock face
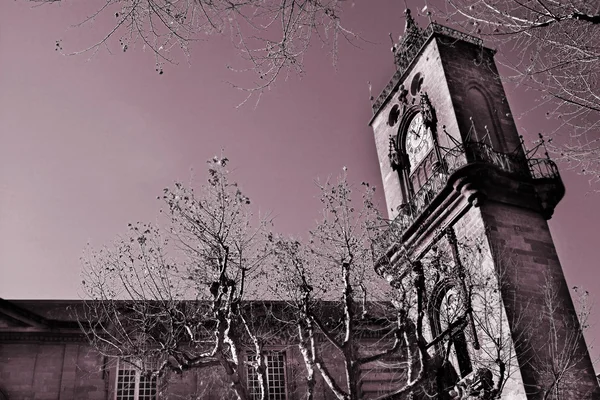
418,141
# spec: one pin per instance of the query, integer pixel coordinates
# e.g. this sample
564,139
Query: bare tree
170,298
441,329
560,369
500,335
552,47
345,321
271,36
496,336
211,286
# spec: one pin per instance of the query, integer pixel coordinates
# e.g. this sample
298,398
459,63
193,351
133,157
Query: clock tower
468,207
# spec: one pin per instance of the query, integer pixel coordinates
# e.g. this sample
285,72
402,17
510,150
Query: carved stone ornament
427,111
410,42
403,95
477,385
393,155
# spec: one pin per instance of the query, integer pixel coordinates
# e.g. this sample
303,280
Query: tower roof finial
427,12
410,26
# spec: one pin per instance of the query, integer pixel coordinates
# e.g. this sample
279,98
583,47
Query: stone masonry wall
467,66
50,371
74,371
523,254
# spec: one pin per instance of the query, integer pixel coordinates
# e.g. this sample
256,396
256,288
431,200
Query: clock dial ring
418,141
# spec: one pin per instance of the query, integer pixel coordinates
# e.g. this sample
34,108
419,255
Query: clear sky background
86,146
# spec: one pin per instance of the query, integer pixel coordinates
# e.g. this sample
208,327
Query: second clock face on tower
418,141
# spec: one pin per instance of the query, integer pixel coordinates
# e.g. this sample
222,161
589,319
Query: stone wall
538,297
51,371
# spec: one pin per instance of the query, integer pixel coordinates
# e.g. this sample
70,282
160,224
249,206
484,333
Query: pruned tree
186,295
551,47
345,320
212,288
498,335
560,369
441,329
271,36
170,298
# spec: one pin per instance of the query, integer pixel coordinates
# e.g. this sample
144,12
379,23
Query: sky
86,145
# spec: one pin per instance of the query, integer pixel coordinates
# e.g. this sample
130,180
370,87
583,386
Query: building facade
45,355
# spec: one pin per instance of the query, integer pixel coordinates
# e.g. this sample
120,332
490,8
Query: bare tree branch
552,48
271,36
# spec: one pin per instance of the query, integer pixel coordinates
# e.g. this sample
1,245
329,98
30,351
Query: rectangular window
133,382
276,387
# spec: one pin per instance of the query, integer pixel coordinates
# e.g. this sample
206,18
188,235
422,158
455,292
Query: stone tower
469,206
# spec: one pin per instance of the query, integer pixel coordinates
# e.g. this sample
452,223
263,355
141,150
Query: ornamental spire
409,43
410,24
411,29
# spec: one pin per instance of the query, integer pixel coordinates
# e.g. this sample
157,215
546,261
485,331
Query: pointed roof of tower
409,47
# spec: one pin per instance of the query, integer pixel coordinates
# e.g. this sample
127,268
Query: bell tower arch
457,177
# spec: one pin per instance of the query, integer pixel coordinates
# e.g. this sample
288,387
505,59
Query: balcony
540,172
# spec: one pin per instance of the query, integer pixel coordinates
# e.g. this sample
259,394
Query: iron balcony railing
470,153
542,168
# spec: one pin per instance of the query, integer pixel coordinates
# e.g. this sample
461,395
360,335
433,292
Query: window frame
137,367
252,376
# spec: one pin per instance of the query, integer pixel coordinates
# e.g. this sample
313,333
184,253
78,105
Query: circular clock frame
418,141
394,115
416,84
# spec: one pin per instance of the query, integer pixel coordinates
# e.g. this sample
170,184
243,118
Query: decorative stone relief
393,155
428,112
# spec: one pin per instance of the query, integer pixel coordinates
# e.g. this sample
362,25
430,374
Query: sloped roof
39,320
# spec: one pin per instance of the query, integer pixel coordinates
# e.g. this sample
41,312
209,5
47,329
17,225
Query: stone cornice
53,337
